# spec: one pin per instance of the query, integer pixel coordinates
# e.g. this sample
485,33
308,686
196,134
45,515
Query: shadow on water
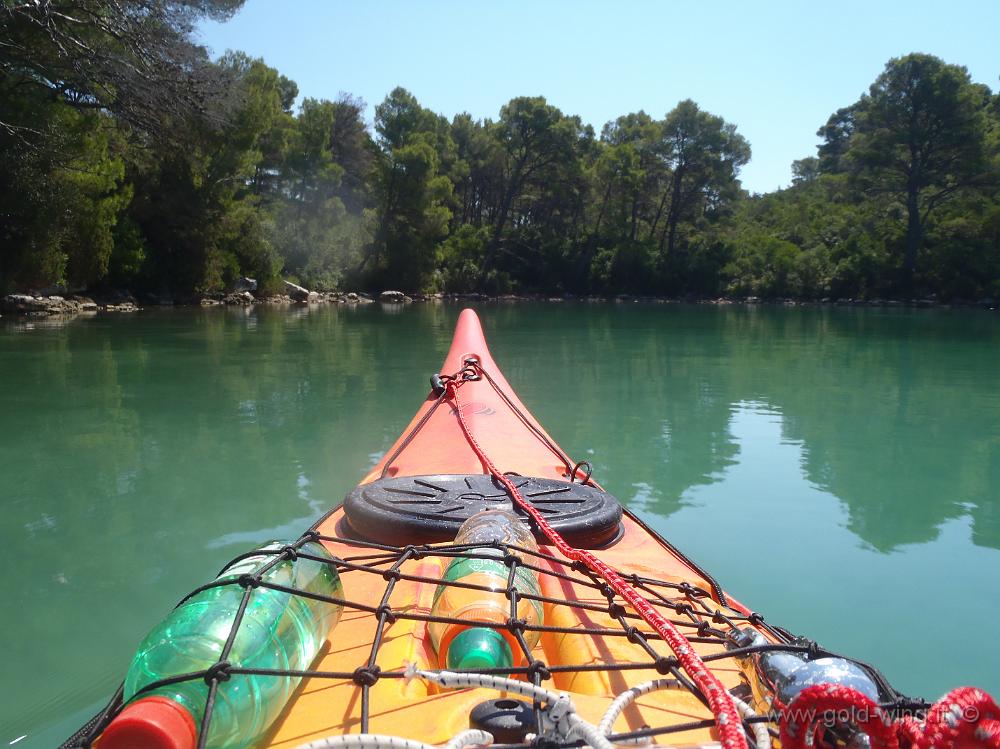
141,452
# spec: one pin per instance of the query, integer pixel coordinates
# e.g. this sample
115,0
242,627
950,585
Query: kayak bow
434,447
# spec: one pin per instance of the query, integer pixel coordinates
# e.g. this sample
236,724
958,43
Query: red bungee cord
723,709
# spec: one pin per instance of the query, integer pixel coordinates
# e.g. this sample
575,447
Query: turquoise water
837,469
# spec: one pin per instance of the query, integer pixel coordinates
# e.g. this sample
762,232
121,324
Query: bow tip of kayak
468,340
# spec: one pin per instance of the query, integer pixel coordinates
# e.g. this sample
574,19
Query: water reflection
895,410
17,324
785,546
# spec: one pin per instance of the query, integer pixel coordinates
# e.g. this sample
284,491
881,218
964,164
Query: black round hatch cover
430,509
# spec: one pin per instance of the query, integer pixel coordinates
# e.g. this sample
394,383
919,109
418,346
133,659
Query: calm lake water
838,470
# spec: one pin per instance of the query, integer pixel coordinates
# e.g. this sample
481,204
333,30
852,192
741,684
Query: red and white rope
965,717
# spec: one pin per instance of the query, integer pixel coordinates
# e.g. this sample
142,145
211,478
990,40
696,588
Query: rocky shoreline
30,305
46,305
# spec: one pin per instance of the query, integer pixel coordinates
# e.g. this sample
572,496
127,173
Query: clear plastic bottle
466,646
278,631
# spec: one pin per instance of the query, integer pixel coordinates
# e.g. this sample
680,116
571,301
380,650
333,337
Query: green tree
917,137
805,170
311,176
633,149
539,148
413,196
197,204
352,149
478,173
133,58
59,204
704,154
320,224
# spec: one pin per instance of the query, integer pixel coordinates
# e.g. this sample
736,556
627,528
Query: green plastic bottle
466,646
278,631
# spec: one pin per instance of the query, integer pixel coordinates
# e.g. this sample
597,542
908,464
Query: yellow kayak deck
584,648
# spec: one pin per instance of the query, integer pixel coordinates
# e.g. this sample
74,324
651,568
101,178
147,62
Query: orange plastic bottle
467,646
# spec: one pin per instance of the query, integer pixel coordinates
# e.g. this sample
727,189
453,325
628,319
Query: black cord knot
248,581
718,617
703,627
218,672
632,633
365,676
665,665
813,651
392,574
616,610
539,669
386,612
579,566
516,625
683,608
755,618
310,536
510,559
289,552
635,579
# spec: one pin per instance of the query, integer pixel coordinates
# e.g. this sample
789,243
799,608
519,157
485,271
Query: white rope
455,680
558,718
760,733
761,737
629,696
588,732
472,737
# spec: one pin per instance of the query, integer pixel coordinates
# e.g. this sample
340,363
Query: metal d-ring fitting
577,467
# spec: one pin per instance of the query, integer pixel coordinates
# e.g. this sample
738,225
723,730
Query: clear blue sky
775,69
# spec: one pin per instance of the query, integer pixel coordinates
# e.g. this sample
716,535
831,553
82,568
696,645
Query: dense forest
131,160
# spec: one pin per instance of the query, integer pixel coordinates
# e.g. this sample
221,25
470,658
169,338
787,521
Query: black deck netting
698,612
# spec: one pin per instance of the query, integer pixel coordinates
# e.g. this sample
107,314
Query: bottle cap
151,723
479,647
